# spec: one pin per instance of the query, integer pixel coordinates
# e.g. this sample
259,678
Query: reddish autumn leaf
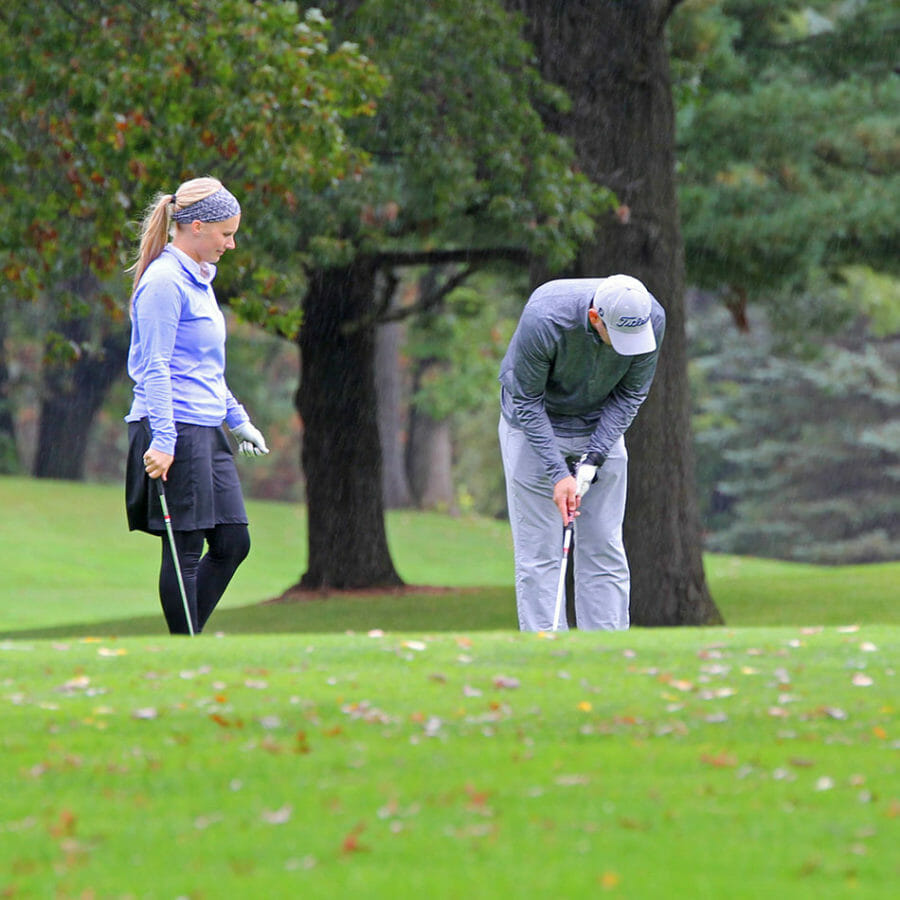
720,760
65,825
351,843
477,799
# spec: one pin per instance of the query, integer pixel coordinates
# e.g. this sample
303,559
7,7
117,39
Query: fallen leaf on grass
861,680
222,722
610,880
65,825
145,712
503,682
277,816
478,799
717,693
270,722
431,726
720,760
572,780
351,843
201,823
78,683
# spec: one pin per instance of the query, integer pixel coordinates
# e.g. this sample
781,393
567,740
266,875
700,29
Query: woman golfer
177,363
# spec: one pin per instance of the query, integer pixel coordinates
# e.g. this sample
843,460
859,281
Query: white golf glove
250,440
585,475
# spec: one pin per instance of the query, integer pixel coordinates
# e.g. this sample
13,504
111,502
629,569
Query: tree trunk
612,59
72,393
389,383
341,456
430,461
9,455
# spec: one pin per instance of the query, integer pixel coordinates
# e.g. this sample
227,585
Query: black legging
205,579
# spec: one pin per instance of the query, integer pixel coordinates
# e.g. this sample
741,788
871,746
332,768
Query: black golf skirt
202,485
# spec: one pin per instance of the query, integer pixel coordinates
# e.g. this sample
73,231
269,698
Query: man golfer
576,372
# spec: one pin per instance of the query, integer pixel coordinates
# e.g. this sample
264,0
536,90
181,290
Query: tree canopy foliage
105,103
459,161
789,155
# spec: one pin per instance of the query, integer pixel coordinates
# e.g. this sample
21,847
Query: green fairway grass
739,763
414,744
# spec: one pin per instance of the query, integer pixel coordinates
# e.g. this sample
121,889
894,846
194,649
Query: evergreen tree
799,454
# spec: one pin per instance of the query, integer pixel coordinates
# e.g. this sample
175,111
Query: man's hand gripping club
568,491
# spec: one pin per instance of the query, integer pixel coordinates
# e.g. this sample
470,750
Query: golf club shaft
168,520
561,587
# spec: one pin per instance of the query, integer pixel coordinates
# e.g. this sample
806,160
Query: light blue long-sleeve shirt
559,378
177,354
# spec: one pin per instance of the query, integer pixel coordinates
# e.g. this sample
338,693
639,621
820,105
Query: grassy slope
68,558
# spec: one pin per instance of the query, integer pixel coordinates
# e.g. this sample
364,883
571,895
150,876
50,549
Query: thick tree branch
470,258
443,257
427,303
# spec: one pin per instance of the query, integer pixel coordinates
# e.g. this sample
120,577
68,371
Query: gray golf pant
602,578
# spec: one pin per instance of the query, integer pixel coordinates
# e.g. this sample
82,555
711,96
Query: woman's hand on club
157,463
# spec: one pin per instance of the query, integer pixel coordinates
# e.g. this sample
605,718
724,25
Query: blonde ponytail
154,236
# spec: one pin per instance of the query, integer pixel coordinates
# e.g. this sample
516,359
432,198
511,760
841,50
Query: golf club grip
561,586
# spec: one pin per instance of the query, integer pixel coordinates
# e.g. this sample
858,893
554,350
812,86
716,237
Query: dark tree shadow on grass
412,610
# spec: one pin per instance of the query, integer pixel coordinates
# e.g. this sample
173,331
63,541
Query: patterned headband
217,207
